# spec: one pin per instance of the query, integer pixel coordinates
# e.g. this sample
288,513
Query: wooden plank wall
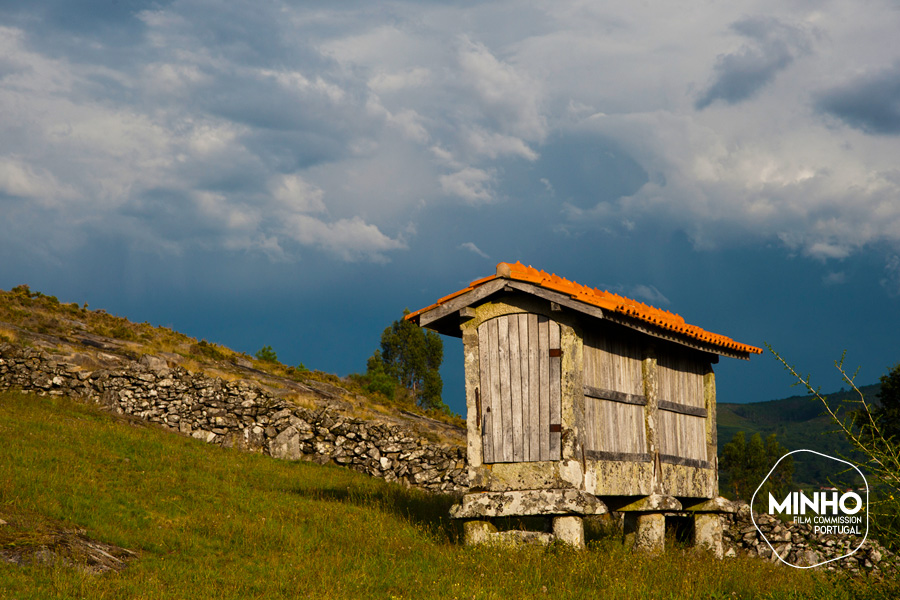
681,379
613,364
615,429
682,436
520,388
681,389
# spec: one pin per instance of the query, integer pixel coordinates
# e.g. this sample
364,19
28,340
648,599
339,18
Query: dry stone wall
243,415
797,543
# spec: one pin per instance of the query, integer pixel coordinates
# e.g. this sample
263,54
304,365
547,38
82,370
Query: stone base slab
526,503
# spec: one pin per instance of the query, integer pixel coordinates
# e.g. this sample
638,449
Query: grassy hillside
207,522
799,422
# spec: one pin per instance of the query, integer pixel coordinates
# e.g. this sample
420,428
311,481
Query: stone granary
581,402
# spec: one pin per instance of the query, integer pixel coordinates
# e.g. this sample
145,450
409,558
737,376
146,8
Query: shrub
266,354
865,427
205,349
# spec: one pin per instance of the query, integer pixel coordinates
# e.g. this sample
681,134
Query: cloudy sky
295,174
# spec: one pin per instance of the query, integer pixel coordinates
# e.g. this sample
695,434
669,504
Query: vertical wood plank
555,391
524,396
628,436
505,399
515,388
534,388
544,368
496,403
589,424
484,358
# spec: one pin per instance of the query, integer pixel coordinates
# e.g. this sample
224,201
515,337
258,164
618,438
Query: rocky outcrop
241,414
800,546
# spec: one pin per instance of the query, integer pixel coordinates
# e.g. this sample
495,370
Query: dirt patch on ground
26,542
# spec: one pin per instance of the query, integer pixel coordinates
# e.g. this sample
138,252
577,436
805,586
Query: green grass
214,523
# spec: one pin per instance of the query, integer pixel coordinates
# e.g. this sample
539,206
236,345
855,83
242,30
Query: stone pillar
708,533
645,531
477,532
569,529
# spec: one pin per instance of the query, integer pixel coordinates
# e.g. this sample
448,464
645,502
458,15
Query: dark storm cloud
84,17
870,102
100,31
772,46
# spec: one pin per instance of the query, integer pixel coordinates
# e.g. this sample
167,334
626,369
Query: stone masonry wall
798,545
243,415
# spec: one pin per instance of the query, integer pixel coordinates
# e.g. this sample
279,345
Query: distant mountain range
798,422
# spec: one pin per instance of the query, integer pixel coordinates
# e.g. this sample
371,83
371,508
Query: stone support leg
645,531
708,533
477,532
569,529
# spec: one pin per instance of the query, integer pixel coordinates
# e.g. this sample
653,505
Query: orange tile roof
607,301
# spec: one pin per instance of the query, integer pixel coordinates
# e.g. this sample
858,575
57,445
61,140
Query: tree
266,354
745,465
887,415
412,357
379,381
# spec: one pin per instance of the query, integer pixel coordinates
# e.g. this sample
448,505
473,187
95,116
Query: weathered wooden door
520,396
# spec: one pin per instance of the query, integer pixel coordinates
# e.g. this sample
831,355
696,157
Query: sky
295,174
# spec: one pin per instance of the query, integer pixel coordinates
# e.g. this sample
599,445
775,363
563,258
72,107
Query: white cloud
296,81
492,145
508,96
20,180
471,184
296,195
407,121
891,280
396,81
351,239
648,293
471,247
724,186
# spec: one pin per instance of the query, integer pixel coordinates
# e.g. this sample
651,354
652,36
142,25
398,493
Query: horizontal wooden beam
684,409
684,462
614,396
617,456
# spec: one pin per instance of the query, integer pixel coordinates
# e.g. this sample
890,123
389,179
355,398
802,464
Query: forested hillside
799,422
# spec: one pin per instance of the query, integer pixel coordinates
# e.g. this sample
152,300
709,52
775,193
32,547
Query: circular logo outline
755,524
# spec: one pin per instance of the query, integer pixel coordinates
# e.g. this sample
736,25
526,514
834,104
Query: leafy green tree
887,415
412,356
266,354
745,465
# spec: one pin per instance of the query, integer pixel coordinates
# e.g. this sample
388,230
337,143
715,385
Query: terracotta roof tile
605,300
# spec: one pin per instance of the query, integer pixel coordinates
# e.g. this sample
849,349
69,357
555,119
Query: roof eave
444,317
